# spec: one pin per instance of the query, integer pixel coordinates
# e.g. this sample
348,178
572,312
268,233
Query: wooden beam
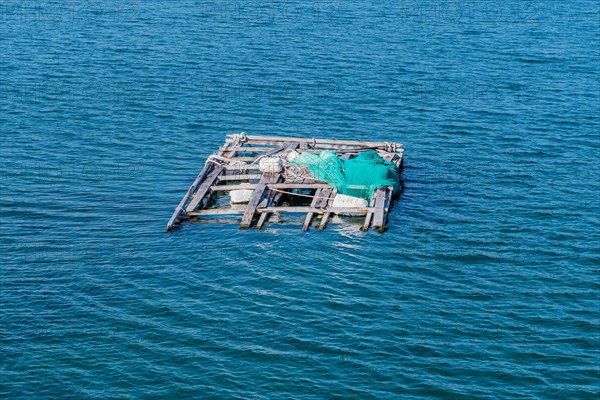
272,186
250,149
324,220
240,177
242,168
248,186
326,197
252,138
255,199
299,186
205,187
263,210
379,212
271,199
328,146
369,216
191,189
245,159
335,149
304,209
216,211
263,216
315,201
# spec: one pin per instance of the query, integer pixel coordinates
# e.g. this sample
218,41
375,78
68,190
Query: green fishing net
357,177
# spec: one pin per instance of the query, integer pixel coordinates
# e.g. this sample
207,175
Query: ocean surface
486,285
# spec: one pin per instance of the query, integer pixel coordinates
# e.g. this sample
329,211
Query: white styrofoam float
343,201
240,196
270,165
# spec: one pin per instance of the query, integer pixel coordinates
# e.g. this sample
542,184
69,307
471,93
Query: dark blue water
486,284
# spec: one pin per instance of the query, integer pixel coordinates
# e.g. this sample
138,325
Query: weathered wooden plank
248,186
240,177
327,203
307,221
245,159
217,211
335,149
272,186
324,220
379,209
205,187
191,189
327,146
305,209
292,144
249,149
252,138
388,205
367,223
323,197
241,168
314,204
299,185
255,199
271,199
217,170
265,210
370,214
261,220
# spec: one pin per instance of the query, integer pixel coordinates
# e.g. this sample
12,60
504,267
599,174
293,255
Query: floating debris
319,177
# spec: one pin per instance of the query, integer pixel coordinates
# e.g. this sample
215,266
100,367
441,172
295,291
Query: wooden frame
234,166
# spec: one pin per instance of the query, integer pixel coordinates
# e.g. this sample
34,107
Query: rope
240,138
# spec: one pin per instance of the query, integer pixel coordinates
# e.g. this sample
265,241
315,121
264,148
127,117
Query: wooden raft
235,166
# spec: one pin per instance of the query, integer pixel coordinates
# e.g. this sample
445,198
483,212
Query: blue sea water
486,284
